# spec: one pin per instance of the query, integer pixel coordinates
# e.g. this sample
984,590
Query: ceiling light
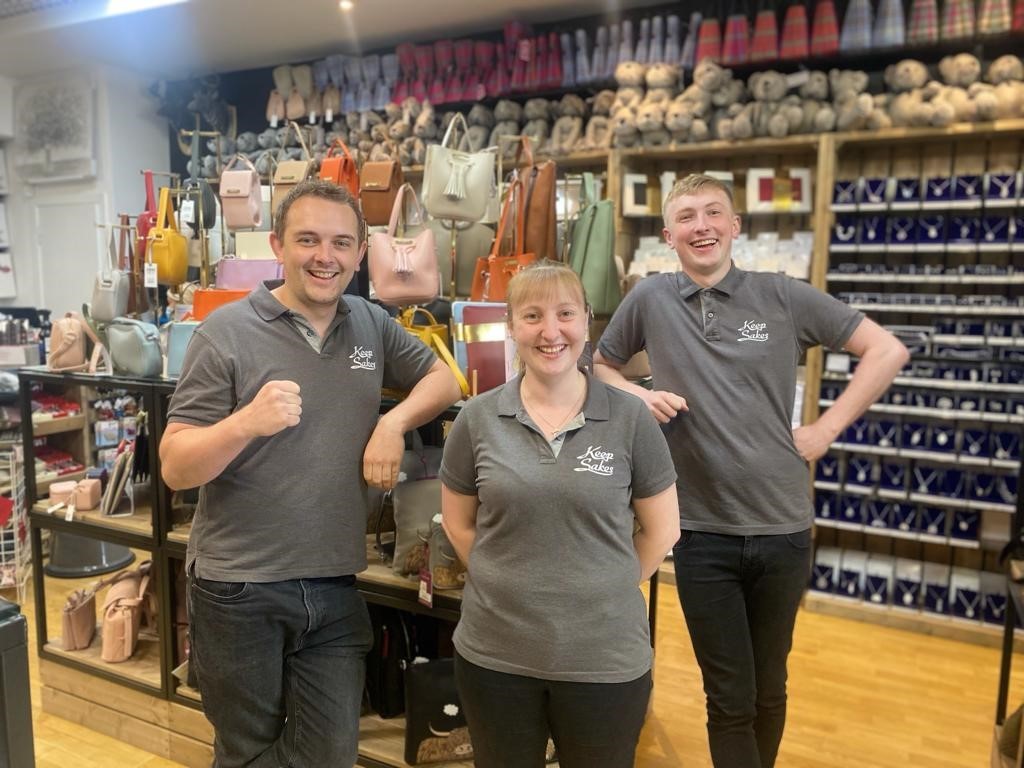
346,5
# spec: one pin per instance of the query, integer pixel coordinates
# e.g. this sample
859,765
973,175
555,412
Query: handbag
592,250
119,487
493,272
147,219
129,260
111,289
471,239
130,605
78,616
407,319
165,246
241,195
446,569
341,169
178,337
205,300
379,183
246,274
415,503
67,350
404,270
457,185
392,650
135,347
436,340
435,728
540,224
288,173
204,212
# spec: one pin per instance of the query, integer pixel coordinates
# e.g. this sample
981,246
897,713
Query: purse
135,347
288,173
129,260
424,331
457,185
204,211
379,183
165,246
178,338
129,606
341,169
540,224
147,219
415,504
493,272
205,300
435,728
404,270
246,274
241,195
446,570
592,251
471,238
78,616
67,346
118,486
111,289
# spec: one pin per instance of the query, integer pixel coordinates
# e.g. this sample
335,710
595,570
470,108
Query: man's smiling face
700,228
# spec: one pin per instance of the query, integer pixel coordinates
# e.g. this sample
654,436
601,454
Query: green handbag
592,250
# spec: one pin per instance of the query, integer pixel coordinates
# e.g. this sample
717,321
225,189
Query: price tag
312,117
69,514
836,362
328,115
187,211
149,276
54,507
426,596
273,121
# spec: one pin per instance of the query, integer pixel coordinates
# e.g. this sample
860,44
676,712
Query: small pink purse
241,197
404,270
246,274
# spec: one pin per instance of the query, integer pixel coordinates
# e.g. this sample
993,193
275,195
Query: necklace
553,427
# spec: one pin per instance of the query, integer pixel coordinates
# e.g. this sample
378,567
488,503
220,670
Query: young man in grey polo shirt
276,417
724,345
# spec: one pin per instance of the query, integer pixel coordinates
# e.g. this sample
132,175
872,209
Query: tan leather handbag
379,183
290,172
241,196
130,605
538,180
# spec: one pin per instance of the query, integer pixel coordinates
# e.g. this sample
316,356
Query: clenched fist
276,406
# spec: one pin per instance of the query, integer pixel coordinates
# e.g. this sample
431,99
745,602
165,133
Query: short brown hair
543,280
323,190
691,185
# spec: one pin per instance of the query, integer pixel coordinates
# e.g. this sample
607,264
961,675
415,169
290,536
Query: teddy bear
959,72
624,130
384,147
770,113
907,103
538,113
267,139
630,77
246,142
818,113
1005,76
650,121
425,126
682,125
568,126
661,82
854,107
480,121
598,133
508,116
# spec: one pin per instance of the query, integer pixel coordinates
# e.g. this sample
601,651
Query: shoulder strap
164,215
450,139
443,352
513,197
239,158
293,126
339,144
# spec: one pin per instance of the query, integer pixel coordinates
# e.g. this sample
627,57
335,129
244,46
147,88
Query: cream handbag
241,197
290,172
458,185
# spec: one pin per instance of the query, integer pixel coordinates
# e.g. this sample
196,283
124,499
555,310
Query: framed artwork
55,129
771,191
636,198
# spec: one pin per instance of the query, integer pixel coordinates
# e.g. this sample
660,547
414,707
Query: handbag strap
112,258
437,343
408,316
514,196
293,126
523,147
450,134
164,216
398,208
339,144
239,159
150,194
124,245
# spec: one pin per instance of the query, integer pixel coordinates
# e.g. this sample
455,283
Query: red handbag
495,271
341,169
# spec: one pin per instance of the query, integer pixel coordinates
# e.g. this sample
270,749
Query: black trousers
593,725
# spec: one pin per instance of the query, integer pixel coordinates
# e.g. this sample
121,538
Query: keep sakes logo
362,359
753,330
597,461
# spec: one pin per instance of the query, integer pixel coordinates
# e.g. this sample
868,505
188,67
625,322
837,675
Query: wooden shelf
948,414
143,667
914,135
43,486
803,143
140,523
384,741
180,534
56,426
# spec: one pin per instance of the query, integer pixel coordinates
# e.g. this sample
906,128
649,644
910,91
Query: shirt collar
727,285
269,308
595,408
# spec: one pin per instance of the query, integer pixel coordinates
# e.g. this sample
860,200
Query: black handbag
392,650
435,728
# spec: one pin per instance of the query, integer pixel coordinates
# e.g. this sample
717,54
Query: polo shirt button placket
710,316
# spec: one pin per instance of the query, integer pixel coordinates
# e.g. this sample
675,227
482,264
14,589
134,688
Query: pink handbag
404,270
241,197
246,274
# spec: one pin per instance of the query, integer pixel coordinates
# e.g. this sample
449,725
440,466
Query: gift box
938,192
965,594
907,587
878,579
904,517
851,509
1001,190
906,195
845,195
825,571
965,525
861,472
935,585
873,231
874,194
61,492
851,573
877,514
934,521
87,494
967,190
993,598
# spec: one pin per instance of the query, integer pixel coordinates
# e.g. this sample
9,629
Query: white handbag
110,291
241,196
458,185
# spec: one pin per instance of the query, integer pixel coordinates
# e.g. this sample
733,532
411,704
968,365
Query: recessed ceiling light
346,5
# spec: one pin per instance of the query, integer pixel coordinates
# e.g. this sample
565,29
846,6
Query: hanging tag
69,515
426,596
312,117
55,507
149,275
273,121
328,115
187,212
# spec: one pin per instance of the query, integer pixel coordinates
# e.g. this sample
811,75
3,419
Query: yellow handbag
165,246
435,336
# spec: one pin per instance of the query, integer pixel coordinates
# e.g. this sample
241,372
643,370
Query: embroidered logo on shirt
752,330
597,461
362,359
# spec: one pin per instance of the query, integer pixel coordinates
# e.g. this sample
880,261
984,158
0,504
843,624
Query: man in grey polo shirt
276,417
724,345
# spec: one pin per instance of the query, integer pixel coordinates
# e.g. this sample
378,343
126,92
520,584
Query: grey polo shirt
292,505
553,588
732,352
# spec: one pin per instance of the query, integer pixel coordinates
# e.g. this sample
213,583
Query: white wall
56,246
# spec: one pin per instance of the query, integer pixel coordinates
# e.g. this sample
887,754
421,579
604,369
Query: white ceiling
203,36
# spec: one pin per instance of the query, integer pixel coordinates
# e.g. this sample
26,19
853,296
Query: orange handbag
494,271
341,169
205,300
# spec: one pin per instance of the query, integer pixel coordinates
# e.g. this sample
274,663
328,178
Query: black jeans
281,668
740,596
593,725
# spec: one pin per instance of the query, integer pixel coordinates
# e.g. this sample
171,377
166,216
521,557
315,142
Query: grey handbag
135,347
111,289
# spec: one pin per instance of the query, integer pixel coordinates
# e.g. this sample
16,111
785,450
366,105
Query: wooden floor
861,696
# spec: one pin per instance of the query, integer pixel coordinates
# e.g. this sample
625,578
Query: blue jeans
593,725
740,596
281,668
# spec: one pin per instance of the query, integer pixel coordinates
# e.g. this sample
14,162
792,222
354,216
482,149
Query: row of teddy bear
648,110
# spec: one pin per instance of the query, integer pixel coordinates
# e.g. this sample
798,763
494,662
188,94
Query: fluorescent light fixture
121,7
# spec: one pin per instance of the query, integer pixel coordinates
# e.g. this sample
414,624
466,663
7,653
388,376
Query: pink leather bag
404,270
246,274
241,197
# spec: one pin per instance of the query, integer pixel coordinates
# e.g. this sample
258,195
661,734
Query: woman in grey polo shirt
542,478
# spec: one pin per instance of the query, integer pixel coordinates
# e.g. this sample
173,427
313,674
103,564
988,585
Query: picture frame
636,195
772,191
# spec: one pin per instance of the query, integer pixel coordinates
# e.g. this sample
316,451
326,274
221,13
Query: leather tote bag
539,179
111,289
290,172
379,183
592,250
494,271
458,185
166,246
135,347
241,196
67,350
404,270
341,168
